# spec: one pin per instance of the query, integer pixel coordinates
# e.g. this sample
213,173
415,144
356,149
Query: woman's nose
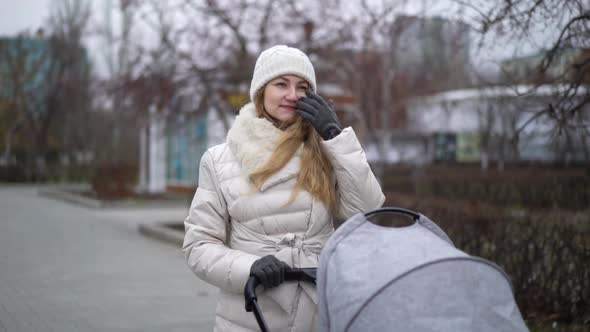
292,94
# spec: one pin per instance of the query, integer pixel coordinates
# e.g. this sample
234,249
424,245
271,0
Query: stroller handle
414,215
293,274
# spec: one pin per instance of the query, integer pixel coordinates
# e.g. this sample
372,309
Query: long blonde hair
316,171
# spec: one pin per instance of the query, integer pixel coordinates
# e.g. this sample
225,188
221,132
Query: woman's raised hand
319,114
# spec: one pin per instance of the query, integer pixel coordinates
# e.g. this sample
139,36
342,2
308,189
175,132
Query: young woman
268,197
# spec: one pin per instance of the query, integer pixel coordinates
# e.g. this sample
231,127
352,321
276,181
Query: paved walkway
68,268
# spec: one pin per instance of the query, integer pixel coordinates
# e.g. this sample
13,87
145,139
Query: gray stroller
409,278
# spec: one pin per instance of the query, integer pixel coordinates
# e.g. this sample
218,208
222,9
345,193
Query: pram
410,278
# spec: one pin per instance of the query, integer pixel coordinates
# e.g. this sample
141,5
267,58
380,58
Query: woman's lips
289,107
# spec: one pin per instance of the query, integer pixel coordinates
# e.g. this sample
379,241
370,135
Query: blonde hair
316,171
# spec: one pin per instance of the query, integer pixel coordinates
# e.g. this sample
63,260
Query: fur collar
252,140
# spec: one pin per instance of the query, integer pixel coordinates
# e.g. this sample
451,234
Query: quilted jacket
230,225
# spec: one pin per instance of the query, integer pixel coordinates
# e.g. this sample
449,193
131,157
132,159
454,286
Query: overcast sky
20,15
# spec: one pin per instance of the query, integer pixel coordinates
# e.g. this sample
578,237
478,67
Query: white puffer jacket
229,225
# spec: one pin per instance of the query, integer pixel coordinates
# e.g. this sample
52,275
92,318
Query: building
24,67
527,69
42,82
432,52
496,123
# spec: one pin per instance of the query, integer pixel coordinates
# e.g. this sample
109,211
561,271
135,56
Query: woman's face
280,96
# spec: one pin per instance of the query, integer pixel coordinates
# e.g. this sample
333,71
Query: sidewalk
157,222
71,268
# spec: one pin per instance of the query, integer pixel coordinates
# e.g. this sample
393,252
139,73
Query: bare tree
70,80
395,57
124,58
41,73
20,70
47,76
213,45
565,63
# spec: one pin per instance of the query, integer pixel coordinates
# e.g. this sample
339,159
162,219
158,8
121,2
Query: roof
497,92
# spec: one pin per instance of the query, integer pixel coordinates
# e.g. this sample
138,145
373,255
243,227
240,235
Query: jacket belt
307,245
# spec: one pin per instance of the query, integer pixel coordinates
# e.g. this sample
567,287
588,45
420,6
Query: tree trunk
8,150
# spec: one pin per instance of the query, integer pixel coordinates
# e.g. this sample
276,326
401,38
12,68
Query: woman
268,197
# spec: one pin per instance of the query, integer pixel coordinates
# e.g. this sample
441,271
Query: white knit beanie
281,60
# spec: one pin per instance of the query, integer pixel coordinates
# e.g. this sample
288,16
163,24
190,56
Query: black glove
320,114
269,270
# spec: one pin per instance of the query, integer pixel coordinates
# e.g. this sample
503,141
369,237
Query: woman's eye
302,88
281,84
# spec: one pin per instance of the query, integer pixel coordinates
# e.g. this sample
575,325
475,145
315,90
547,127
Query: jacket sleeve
357,187
205,232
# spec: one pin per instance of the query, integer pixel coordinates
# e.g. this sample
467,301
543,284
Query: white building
492,123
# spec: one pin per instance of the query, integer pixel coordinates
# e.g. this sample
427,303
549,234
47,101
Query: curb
162,232
70,197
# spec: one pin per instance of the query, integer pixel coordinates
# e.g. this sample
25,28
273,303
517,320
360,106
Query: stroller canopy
375,278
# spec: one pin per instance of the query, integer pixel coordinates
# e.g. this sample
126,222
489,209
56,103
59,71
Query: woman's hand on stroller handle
290,274
269,271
